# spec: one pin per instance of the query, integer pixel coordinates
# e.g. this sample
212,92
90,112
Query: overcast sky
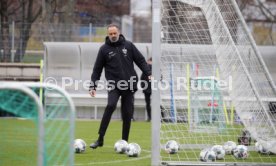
140,7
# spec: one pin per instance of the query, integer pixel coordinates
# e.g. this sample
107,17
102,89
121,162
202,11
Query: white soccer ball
120,146
219,151
79,145
229,146
263,149
133,150
207,155
241,152
171,147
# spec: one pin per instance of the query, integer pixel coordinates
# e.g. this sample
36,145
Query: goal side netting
218,84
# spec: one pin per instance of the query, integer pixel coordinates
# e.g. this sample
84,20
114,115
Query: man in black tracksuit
147,92
147,89
117,56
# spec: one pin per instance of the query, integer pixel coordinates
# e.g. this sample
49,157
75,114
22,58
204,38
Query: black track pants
148,106
126,109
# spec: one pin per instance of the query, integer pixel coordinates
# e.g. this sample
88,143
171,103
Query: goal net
204,115
206,42
38,126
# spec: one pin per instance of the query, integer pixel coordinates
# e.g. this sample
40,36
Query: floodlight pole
155,102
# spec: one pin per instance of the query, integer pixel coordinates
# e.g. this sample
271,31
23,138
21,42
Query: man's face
113,34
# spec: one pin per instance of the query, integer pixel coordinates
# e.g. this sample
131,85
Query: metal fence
23,44
18,40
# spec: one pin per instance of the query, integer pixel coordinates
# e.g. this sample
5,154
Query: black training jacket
117,59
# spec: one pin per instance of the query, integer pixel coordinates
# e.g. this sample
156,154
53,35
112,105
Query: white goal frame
25,87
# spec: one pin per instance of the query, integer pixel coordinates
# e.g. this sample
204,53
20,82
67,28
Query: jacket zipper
120,60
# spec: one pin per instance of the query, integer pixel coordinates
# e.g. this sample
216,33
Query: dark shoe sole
95,146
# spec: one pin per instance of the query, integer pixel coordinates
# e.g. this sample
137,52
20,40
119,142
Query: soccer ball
172,147
207,155
263,149
229,146
133,150
241,152
219,151
120,146
79,145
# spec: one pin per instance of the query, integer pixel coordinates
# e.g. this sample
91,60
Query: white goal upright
208,43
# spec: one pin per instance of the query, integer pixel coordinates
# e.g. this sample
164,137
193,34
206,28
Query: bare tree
5,44
58,18
24,13
269,17
29,13
260,11
103,12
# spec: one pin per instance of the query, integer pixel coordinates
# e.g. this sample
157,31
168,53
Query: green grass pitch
19,136
140,133
19,141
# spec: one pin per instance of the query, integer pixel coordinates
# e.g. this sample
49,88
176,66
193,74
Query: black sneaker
96,144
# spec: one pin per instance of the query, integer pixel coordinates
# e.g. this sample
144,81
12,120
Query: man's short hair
113,25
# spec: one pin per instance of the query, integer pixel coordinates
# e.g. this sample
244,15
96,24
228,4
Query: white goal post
206,39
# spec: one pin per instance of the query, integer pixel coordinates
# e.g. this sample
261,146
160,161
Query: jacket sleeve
140,61
97,70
